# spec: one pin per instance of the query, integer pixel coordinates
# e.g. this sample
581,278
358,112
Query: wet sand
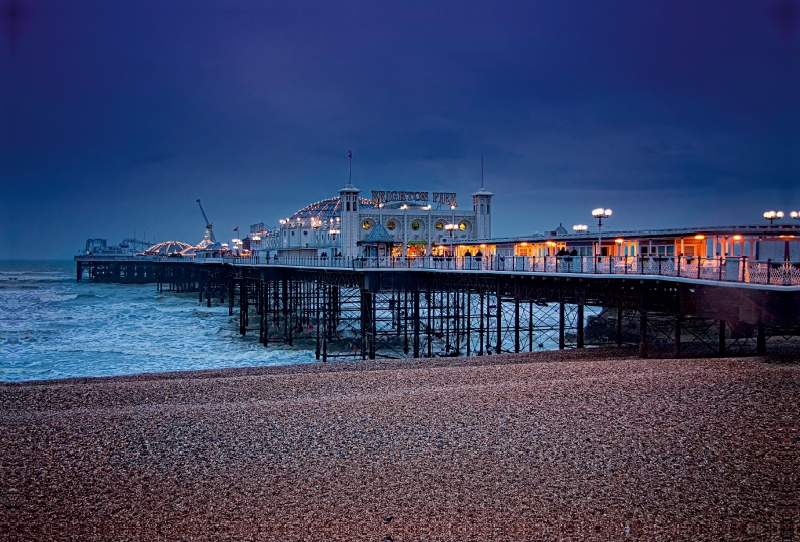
558,445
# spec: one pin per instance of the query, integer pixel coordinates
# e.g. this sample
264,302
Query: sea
52,327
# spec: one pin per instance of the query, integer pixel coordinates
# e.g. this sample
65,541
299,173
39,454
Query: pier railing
731,269
133,258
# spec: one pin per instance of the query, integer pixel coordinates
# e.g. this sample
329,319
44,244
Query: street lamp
795,215
450,227
600,214
772,215
580,228
429,227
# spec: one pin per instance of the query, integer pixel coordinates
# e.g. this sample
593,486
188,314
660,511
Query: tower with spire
482,206
348,204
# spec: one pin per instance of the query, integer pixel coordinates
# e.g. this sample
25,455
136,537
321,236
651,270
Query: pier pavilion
420,223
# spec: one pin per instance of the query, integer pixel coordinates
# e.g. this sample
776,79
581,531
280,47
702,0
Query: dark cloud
119,115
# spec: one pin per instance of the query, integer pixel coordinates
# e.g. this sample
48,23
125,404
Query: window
354,206
415,225
391,225
348,205
439,225
305,232
462,226
366,225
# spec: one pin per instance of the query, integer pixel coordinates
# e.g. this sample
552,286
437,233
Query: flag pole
350,155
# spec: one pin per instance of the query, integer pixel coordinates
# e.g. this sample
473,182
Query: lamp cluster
777,215
601,213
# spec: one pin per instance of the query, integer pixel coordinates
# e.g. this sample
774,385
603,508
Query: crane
209,227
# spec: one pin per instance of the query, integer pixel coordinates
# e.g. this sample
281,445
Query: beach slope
538,446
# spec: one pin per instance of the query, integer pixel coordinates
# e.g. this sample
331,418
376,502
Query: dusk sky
118,115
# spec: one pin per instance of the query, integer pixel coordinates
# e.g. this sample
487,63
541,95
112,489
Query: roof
167,247
482,192
322,211
377,235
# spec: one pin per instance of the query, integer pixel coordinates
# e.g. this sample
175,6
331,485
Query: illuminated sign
439,198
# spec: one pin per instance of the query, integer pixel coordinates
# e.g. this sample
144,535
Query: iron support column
415,320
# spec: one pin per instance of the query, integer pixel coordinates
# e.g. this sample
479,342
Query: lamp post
772,215
428,228
795,215
600,214
450,227
580,228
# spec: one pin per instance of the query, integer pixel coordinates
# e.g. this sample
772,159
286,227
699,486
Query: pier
393,307
408,274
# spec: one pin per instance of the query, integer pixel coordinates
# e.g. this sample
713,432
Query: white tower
482,206
348,206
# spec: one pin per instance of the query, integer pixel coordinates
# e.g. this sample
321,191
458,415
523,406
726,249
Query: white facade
334,226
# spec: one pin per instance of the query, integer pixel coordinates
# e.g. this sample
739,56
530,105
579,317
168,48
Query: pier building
419,223
776,243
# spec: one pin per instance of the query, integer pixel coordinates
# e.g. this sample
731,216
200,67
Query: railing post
719,271
743,263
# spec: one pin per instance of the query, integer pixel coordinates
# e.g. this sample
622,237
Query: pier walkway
730,269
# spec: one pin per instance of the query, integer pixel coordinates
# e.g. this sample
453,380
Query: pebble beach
594,445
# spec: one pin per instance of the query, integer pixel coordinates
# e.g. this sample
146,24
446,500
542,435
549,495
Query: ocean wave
20,278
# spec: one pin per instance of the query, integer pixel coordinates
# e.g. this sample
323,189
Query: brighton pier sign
439,198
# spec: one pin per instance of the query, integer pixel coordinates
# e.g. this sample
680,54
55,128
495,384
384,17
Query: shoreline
316,366
564,445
